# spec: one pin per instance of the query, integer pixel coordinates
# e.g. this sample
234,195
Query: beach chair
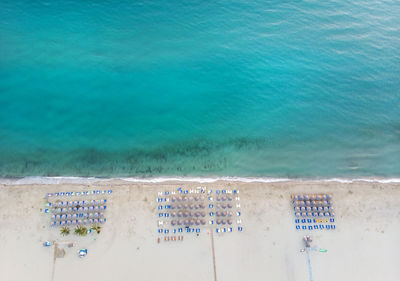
315,226
297,221
303,221
328,227
297,227
309,221
310,227
333,226
332,220
321,226
304,227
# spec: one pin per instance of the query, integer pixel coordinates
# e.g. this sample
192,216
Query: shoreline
32,180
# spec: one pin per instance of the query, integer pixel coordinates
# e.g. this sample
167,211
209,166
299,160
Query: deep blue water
240,88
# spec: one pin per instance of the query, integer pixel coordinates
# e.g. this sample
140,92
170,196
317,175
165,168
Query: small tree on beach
81,230
96,227
64,230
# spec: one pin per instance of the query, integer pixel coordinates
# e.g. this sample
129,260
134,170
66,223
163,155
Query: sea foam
93,180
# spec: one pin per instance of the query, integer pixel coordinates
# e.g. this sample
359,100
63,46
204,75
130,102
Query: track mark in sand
54,261
213,255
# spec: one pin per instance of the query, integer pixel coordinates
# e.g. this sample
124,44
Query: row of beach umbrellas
79,193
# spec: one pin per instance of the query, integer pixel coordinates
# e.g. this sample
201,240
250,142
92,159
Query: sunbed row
312,203
315,226
79,193
314,214
80,209
314,220
188,222
312,197
315,209
75,216
78,222
77,203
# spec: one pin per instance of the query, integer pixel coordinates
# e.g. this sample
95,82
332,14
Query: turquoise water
221,88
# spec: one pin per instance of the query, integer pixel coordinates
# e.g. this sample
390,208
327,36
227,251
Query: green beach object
323,250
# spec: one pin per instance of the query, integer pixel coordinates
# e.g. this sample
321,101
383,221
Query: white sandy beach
365,245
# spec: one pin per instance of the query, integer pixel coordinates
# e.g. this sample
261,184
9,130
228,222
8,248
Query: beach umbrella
82,253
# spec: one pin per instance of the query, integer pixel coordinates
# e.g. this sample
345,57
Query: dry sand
365,245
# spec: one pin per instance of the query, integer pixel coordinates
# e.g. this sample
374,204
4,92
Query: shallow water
231,88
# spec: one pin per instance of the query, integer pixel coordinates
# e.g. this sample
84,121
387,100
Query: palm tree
64,230
81,230
96,227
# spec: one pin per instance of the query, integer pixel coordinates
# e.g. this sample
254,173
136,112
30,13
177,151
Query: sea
280,89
